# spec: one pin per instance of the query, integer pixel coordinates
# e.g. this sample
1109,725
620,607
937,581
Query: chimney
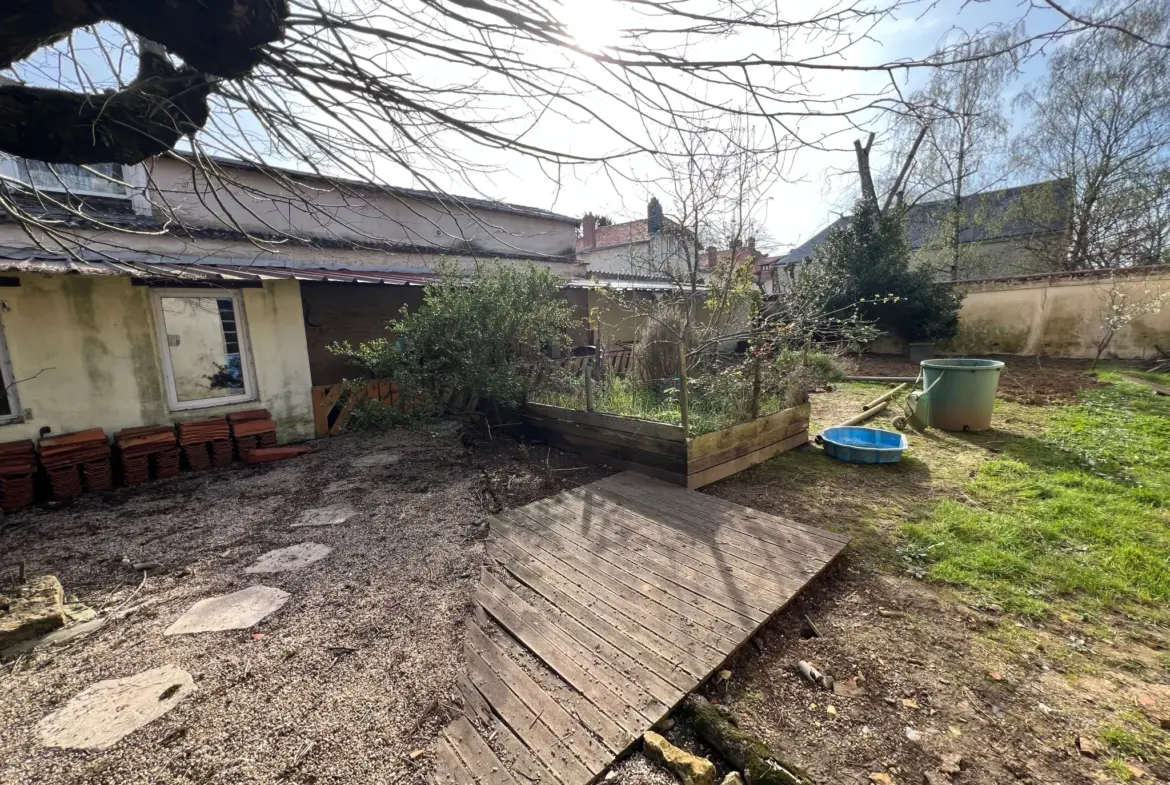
653,216
712,257
589,230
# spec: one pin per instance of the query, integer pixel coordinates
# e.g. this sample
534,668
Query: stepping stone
236,611
291,558
106,712
378,459
333,515
337,486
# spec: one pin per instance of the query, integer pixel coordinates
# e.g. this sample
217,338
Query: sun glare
594,24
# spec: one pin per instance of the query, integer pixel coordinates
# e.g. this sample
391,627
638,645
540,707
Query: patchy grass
1080,513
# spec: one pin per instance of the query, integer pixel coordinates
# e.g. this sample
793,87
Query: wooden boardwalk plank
660,678
745,519
764,555
474,751
642,591
517,757
737,574
449,768
529,725
619,719
675,576
682,547
670,597
648,627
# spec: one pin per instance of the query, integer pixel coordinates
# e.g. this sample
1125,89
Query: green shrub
490,334
871,255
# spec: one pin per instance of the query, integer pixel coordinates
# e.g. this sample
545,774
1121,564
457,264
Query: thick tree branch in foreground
124,127
221,37
760,766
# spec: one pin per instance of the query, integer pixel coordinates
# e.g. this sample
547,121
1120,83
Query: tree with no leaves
1101,121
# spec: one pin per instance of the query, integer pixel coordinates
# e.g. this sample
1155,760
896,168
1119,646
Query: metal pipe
885,396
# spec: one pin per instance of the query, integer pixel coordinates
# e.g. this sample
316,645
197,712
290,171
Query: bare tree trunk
868,192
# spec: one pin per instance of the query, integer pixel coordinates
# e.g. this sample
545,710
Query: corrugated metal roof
31,260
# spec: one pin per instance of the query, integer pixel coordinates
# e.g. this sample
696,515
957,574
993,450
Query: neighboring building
222,298
1013,231
649,248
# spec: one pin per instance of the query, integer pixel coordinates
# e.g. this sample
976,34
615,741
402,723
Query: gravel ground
333,688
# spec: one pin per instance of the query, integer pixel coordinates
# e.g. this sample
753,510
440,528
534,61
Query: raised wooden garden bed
661,450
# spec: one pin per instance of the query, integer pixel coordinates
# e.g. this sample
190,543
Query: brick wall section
353,312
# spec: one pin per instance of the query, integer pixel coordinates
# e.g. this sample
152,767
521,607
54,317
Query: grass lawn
1078,513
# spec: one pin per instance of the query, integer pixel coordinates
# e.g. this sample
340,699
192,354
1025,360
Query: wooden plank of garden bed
747,446
613,422
616,443
672,448
609,455
737,465
730,437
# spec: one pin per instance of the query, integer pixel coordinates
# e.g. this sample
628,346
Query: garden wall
1057,315
660,450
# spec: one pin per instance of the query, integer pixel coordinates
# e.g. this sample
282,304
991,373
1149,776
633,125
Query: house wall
90,342
258,203
1057,316
991,259
650,257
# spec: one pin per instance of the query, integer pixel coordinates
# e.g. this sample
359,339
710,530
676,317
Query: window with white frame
203,339
107,181
9,405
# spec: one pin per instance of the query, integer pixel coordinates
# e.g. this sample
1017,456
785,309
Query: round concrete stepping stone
291,558
333,515
106,712
236,611
378,459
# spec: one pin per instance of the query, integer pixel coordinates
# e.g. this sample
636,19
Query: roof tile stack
73,456
18,466
194,437
139,447
251,430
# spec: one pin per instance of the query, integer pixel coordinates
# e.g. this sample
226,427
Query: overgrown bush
656,364
871,254
489,334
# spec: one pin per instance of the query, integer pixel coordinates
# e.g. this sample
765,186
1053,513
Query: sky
818,179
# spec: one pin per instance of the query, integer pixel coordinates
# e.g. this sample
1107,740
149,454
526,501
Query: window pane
60,177
205,359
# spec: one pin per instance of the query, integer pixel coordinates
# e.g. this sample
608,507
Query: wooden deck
605,606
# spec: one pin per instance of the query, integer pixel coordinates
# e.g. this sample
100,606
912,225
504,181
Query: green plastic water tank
961,393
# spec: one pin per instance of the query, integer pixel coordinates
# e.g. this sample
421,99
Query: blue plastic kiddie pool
864,445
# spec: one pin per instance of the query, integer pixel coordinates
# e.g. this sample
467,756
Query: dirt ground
336,686
332,688
1037,381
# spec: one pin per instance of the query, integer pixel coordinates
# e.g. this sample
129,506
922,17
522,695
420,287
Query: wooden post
756,388
683,403
589,384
